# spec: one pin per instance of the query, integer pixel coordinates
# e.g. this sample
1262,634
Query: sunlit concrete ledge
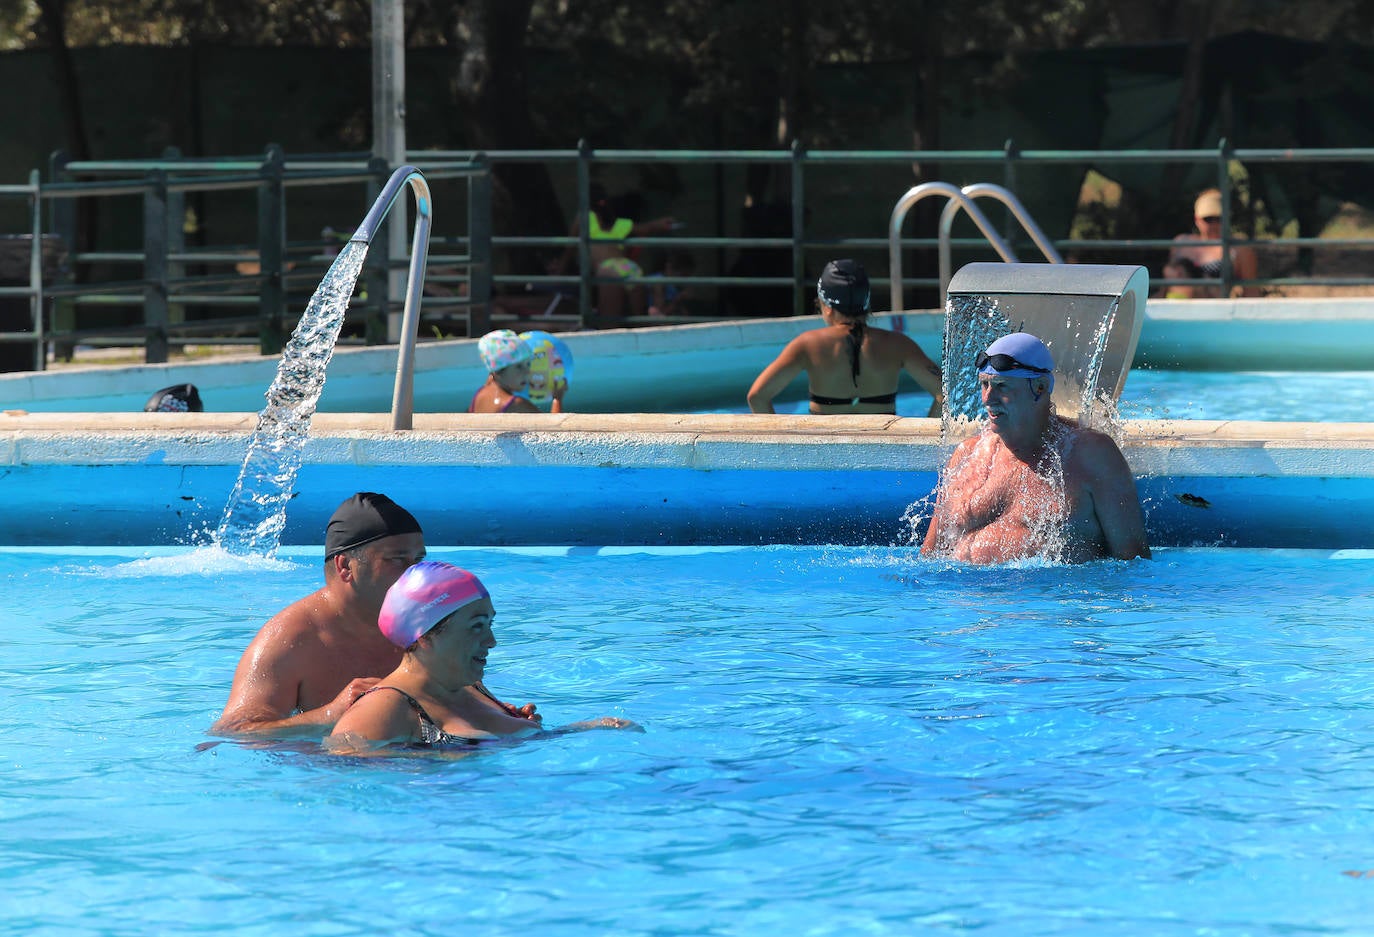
645,478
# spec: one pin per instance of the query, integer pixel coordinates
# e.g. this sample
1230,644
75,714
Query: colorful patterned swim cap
425,595
501,349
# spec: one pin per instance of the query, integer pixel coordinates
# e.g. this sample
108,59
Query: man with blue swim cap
1033,484
311,660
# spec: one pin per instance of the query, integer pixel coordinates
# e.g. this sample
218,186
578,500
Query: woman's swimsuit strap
851,401
430,731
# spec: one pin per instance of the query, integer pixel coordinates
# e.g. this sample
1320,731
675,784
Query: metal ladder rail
978,190
957,199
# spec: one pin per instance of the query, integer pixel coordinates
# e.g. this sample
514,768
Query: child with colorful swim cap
507,357
441,617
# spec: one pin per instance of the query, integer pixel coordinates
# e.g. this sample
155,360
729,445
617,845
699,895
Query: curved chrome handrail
894,233
988,190
403,398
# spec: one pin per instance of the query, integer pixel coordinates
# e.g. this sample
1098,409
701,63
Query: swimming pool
1272,396
837,741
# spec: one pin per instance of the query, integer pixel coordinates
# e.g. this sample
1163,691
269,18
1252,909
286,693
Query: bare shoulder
293,630
1096,453
964,450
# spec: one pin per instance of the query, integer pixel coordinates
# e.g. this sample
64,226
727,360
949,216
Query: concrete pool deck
598,479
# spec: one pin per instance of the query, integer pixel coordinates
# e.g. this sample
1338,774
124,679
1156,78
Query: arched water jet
256,511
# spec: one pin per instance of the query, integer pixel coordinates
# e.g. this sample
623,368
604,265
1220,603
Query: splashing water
256,511
1038,503
972,323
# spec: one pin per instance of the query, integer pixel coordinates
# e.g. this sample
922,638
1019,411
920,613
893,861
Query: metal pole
40,345
798,232
584,232
1224,186
389,133
271,247
155,267
176,239
479,249
402,405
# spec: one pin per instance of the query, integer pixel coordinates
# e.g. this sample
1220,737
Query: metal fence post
1224,186
584,232
271,248
62,221
155,267
479,248
1010,154
176,240
40,350
798,232
377,264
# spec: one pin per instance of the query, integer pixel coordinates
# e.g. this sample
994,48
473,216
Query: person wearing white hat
1033,484
1189,259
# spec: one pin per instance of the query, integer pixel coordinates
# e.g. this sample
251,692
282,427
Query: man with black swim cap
312,659
1032,483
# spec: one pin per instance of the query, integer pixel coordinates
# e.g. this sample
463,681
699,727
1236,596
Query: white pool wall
676,368
649,478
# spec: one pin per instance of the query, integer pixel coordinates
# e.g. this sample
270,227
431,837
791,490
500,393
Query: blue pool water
1280,396
837,741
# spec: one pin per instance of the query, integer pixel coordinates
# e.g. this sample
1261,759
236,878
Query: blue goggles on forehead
1005,363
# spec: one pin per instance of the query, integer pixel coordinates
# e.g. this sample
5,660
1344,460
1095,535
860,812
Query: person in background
607,231
851,367
1189,260
670,298
179,398
1033,484
311,660
440,617
507,357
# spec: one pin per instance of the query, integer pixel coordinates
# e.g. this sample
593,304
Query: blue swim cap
1019,354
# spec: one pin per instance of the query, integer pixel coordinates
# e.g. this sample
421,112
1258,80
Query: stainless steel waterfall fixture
403,398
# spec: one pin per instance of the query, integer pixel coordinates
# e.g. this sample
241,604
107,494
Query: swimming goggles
1005,363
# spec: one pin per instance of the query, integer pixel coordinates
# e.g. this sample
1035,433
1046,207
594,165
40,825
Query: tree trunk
492,89
53,16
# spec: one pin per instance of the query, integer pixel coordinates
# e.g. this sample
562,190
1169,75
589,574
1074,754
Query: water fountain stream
256,511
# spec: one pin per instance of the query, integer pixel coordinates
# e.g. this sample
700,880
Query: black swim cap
363,518
179,398
844,287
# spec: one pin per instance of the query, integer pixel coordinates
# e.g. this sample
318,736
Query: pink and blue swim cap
503,348
425,595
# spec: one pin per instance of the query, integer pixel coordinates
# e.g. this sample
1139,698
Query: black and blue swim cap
843,287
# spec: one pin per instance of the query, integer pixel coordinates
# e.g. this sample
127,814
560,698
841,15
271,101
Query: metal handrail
403,397
1018,211
894,232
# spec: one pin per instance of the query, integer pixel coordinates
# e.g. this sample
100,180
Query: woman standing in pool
441,616
851,366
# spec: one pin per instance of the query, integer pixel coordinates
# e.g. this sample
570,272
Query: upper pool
1270,396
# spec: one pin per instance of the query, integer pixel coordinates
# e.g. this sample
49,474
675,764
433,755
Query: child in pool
507,359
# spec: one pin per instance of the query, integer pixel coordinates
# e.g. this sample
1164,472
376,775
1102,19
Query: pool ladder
959,199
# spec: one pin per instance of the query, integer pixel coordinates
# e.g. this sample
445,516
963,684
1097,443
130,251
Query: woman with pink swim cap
507,358
441,616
